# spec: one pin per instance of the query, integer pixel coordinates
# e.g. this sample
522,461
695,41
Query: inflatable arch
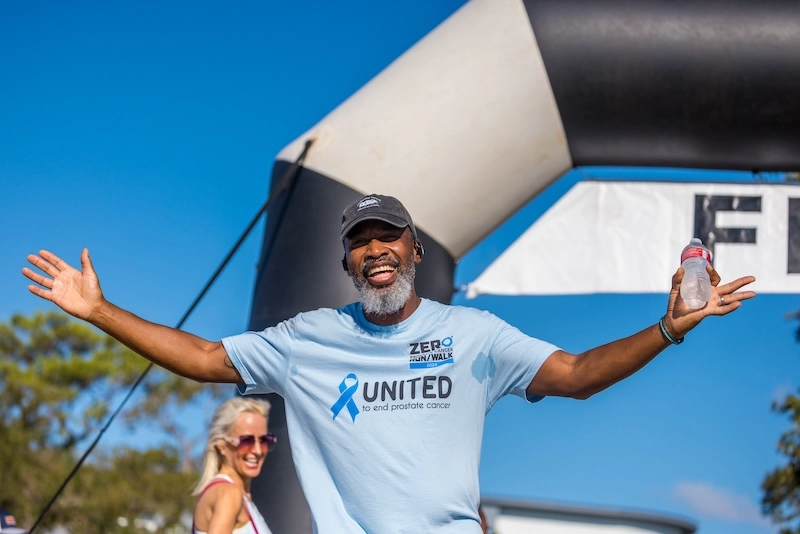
496,104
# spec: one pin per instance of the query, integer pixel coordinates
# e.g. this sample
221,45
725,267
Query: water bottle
696,286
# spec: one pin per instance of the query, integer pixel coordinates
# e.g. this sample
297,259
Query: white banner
627,237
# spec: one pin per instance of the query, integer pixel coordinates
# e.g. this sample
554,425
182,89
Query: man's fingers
42,263
729,307
34,276
40,292
86,262
53,260
36,261
27,273
677,278
729,298
735,285
38,278
713,275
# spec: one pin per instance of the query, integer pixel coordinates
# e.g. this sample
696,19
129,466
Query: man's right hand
77,293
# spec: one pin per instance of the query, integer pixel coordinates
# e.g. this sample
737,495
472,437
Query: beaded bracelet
666,334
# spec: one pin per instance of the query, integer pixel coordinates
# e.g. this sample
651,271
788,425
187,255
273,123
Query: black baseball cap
376,207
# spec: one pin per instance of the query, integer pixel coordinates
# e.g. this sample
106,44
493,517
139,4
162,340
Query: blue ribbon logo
346,398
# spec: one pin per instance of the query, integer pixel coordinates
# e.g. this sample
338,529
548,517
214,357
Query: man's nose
375,248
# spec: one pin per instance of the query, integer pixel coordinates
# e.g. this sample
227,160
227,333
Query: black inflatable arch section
706,84
700,84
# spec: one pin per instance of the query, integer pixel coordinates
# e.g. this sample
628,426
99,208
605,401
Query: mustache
384,258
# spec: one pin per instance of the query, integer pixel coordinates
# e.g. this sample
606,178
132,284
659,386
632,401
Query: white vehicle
8,524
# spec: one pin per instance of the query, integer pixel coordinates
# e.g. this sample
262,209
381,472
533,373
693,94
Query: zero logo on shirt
433,353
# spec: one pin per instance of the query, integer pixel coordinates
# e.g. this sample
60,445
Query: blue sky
146,131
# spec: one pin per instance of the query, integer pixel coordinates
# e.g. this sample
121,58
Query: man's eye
359,242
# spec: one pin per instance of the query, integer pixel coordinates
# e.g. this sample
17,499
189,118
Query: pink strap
244,503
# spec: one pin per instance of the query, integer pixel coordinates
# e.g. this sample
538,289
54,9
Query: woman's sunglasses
247,442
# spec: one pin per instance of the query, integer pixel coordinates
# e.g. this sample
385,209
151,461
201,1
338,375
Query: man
385,398
484,522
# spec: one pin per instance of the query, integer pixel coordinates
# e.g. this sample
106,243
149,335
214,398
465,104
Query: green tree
60,380
781,487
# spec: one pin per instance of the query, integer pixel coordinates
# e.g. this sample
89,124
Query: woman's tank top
257,525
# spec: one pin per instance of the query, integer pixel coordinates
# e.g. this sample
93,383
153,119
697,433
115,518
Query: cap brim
399,222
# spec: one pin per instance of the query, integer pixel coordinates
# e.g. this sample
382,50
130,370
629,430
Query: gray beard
383,301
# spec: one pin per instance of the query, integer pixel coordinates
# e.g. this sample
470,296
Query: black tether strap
285,182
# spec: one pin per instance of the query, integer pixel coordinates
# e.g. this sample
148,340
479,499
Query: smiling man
381,252
386,397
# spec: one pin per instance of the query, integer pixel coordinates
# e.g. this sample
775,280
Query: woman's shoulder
221,486
222,499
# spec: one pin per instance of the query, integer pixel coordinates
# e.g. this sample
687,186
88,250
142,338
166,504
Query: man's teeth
381,269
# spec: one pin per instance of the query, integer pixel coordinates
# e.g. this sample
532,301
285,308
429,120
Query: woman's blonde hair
221,423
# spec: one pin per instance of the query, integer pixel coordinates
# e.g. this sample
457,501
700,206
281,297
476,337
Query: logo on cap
368,202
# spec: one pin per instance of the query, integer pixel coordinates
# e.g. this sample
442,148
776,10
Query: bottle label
696,252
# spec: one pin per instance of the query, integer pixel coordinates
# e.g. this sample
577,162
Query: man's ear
419,248
344,265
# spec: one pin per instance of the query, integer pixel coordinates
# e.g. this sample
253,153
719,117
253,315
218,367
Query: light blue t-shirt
386,422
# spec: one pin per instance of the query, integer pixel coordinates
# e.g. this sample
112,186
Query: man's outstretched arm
79,294
582,375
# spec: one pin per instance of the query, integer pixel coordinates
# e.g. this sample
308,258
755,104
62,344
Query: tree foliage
60,380
781,487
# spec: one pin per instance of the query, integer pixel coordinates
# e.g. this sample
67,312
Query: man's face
381,260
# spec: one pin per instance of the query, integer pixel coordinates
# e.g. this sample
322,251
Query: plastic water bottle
696,285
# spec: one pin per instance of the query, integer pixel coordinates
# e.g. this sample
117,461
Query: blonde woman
237,444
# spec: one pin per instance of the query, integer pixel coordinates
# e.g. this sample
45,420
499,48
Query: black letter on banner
794,236
705,215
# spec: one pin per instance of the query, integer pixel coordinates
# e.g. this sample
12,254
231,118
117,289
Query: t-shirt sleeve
262,358
516,358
